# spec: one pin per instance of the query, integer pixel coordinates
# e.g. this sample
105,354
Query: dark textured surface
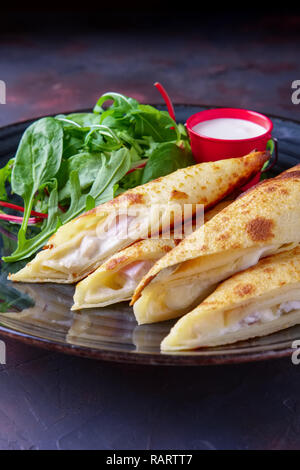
48,400
57,402
248,64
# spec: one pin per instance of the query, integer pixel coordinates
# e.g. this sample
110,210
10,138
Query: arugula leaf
113,168
166,158
102,138
121,103
132,180
87,165
157,124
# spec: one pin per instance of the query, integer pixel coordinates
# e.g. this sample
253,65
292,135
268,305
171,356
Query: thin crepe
256,302
264,221
82,245
116,279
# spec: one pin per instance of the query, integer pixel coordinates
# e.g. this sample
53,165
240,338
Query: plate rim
143,358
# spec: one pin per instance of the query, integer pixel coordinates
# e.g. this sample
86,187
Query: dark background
63,59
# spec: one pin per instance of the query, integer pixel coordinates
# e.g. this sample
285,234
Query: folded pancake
256,302
82,245
116,279
264,221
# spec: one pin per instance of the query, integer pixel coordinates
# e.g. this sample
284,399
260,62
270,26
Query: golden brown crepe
116,279
264,221
256,302
82,245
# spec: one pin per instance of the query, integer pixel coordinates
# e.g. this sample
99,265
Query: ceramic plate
39,314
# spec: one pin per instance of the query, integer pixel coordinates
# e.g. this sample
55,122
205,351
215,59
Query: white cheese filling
264,315
95,247
126,280
189,291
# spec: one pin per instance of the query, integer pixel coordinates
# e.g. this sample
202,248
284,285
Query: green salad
68,164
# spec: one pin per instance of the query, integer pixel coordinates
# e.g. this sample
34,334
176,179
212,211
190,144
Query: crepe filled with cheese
264,221
82,245
116,279
256,302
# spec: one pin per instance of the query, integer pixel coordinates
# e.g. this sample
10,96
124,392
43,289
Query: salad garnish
68,164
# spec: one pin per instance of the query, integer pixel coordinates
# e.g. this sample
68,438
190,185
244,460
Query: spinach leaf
31,245
37,161
81,160
5,176
38,156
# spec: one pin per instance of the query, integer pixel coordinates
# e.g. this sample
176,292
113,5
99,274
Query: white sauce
229,129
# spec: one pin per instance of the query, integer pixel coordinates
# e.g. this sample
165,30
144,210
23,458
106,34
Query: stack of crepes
215,278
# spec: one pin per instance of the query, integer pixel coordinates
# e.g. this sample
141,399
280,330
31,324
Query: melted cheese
167,298
94,246
217,327
112,287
